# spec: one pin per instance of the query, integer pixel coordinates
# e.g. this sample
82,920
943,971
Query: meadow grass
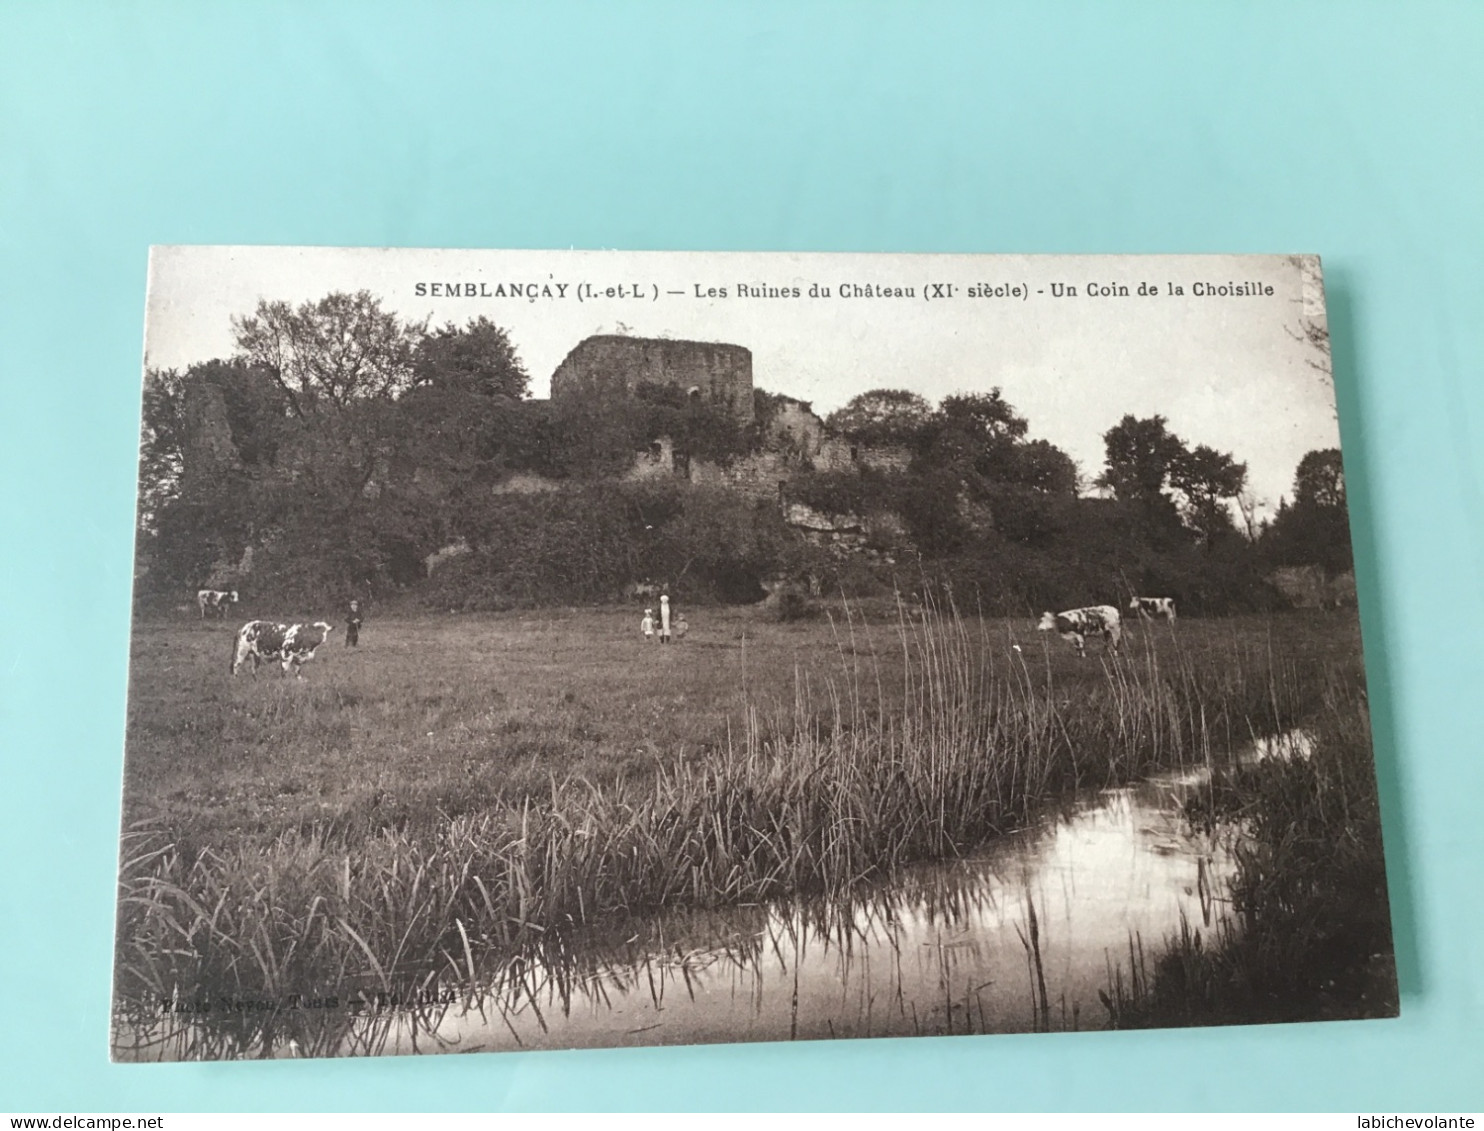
462,791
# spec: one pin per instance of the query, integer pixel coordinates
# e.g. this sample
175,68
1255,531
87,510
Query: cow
1150,607
1075,625
215,600
291,645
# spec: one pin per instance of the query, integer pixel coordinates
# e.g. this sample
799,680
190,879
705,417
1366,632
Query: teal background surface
1351,130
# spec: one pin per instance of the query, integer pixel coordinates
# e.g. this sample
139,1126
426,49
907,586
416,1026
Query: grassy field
436,717
458,788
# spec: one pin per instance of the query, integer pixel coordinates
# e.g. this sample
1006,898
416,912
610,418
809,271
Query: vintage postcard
539,650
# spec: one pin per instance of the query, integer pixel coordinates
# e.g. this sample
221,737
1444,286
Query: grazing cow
215,600
291,645
1150,607
1075,625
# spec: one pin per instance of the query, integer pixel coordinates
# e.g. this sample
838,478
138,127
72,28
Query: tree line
340,445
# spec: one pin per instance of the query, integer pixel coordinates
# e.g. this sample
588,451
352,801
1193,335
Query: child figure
665,619
353,625
646,625
681,628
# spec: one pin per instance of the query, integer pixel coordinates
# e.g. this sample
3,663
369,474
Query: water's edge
1020,936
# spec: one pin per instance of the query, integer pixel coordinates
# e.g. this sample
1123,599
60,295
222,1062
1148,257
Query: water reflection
1018,937
1291,745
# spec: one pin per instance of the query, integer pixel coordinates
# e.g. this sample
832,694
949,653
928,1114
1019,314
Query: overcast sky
1231,372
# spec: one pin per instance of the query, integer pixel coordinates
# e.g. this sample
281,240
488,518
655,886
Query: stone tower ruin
716,372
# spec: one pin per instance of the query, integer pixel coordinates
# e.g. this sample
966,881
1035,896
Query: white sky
1228,372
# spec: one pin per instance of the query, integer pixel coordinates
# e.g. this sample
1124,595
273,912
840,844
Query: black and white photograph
560,649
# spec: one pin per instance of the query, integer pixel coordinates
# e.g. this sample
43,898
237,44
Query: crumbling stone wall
655,462
795,427
208,443
719,373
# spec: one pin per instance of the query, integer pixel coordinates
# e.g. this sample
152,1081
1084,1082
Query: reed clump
848,781
1310,936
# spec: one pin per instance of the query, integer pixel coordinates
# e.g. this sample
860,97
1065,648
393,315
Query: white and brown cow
1076,625
290,645
1150,607
216,600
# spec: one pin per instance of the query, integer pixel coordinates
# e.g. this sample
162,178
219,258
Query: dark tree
1044,467
1209,480
345,502
987,416
1315,529
883,416
162,440
975,436
1320,479
208,442
331,353
1140,456
931,513
465,422
477,358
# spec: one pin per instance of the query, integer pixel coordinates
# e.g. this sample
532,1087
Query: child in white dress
646,625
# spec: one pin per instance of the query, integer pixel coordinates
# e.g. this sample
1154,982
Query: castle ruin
716,372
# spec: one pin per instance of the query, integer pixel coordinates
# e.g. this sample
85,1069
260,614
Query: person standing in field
353,620
665,619
646,625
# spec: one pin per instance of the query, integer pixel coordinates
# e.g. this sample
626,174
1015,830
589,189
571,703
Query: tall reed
1311,934
847,781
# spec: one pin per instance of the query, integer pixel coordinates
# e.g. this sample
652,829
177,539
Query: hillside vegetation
339,448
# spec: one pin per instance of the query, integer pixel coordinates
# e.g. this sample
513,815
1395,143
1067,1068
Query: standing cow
290,645
1076,625
216,600
1150,607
